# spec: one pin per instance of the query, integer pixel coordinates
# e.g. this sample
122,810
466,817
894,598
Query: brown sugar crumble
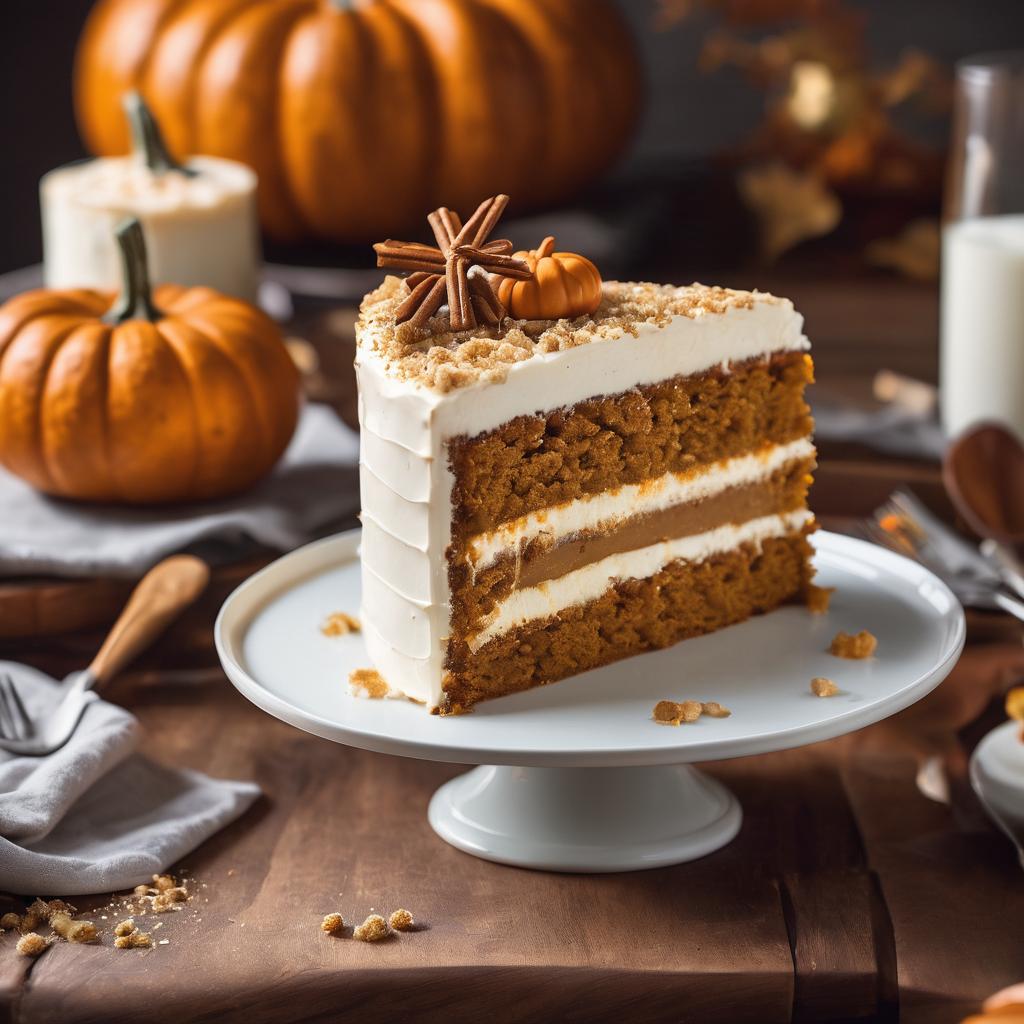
373,929
401,920
368,682
818,598
822,687
853,645
671,712
443,360
340,624
333,924
31,944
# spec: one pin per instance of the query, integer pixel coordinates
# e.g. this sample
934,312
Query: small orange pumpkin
563,285
179,395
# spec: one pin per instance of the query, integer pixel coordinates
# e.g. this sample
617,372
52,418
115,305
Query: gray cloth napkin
96,816
888,429
315,485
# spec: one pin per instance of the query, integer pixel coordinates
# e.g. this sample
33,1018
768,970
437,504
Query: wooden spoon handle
162,594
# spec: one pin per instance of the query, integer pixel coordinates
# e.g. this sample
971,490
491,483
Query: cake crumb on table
134,940
368,682
10,920
822,687
401,920
713,709
124,928
340,624
818,598
333,924
74,931
853,645
31,944
373,929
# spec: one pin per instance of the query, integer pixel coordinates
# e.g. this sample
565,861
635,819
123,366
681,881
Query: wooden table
846,896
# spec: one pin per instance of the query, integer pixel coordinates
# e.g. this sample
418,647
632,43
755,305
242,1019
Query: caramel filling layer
474,596
736,505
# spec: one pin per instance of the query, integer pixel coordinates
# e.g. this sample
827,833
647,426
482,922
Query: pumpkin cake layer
543,497
683,599
535,462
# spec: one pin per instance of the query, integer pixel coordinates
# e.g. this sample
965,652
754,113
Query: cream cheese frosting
407,483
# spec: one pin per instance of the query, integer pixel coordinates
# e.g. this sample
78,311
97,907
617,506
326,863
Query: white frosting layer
591,581
603,511
407,482
200,229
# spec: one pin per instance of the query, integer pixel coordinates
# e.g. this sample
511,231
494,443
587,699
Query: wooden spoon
983,471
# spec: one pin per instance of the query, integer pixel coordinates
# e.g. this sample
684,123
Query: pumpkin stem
147,140
546,247
136,299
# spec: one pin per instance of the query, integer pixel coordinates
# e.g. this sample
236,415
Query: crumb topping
853,645
822,687
444,360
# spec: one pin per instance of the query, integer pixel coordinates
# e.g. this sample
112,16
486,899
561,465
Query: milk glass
982,317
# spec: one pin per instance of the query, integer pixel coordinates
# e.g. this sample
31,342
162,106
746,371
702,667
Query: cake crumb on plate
368,682
340,624
853,645
822,687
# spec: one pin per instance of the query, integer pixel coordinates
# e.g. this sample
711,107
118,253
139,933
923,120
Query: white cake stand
576,776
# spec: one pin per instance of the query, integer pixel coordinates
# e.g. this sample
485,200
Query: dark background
689,114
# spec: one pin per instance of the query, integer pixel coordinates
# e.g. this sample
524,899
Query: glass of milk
982,322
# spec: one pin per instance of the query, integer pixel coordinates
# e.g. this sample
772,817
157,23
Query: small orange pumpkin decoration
180,395
564,285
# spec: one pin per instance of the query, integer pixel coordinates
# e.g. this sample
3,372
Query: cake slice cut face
541,498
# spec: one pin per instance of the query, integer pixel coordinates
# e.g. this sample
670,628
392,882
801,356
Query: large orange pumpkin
183,395
359,114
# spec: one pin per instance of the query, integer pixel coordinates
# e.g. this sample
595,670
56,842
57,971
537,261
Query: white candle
200,230
982,357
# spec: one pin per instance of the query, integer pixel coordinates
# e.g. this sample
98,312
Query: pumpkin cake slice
544,495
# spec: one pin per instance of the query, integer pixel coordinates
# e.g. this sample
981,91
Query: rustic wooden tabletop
847,895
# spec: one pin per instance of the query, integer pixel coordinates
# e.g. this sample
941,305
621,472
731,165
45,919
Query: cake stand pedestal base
585,819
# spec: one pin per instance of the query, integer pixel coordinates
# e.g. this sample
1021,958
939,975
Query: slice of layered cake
544,496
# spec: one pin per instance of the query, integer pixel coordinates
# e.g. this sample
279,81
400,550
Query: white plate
601,786
997,775
269,639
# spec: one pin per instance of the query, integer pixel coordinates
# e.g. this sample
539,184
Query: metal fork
904,525
162,594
